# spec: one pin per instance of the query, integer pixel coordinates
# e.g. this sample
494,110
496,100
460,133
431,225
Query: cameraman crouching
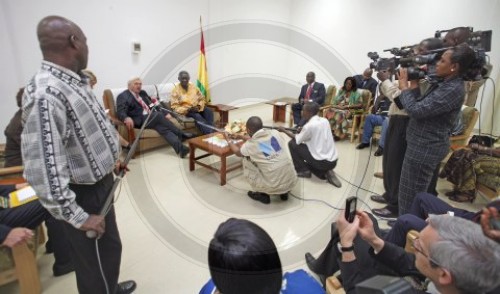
432,116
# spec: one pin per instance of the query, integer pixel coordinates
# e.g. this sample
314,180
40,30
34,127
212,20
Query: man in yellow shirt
187,100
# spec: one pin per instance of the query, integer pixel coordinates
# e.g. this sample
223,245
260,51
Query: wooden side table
223,111
279,112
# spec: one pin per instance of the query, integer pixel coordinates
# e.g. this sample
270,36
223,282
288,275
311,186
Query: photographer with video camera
395,141
432,115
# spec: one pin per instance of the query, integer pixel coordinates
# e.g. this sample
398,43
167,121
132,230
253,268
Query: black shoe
362,146
391,222
261,197
48,247
61,270
384,212
126,287
378,199
284,196
185,151
187,135
332,179
310,261
379,152
304,174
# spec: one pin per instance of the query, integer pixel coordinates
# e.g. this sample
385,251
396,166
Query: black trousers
165,128
88,276
392,161
31,215
304,161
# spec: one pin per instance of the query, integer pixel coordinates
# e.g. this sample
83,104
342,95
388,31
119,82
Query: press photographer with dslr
432,115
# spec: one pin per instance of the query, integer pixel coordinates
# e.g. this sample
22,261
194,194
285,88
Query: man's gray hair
132,80
472,258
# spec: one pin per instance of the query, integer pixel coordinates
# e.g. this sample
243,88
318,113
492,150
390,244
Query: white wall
349,29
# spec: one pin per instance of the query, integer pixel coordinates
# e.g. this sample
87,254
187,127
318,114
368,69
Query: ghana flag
202,82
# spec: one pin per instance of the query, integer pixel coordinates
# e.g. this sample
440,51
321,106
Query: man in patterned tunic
70,149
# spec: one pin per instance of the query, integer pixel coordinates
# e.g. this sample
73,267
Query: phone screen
350,208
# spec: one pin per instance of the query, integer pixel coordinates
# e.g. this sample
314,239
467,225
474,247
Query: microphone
275,128
155,104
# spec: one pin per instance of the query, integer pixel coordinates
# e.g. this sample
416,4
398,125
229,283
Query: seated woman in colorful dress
344,106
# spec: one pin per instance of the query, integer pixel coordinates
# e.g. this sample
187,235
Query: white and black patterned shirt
67,138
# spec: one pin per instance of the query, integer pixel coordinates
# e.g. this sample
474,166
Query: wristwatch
345,249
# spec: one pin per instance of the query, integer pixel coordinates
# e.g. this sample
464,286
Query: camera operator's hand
402,75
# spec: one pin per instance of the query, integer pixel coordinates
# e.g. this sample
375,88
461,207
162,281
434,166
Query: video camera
479,41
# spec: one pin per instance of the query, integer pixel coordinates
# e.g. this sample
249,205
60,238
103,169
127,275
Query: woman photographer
432,115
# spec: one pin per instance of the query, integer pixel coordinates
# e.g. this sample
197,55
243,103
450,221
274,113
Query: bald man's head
63,42
254,124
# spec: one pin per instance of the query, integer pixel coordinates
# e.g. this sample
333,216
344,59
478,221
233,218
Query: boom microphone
275,128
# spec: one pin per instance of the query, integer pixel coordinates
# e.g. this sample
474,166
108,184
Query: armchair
19,263
358,120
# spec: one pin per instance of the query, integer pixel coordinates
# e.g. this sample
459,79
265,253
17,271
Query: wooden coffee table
211,149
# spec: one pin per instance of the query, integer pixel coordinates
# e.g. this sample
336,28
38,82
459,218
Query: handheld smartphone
350,208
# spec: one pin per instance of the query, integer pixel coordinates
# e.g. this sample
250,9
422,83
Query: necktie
308,93
141,102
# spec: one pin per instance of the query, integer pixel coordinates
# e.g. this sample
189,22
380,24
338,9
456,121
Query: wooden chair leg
354,127
26,270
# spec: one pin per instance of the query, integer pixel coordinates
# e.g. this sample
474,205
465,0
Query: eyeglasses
418,248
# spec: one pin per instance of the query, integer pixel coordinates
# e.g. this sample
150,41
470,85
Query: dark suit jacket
370,85
317,95
127,106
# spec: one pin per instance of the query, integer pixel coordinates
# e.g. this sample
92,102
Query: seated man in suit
313,148
442,237
187,100
266,165
310,92
365,81
132,108
13,135
17,223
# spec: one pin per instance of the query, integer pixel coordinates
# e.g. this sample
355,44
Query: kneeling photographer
432,115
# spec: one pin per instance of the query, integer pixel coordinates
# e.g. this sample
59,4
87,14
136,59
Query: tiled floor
167,215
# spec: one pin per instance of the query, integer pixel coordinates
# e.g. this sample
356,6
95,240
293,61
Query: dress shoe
284,196
304,174
379,175
310,261
48,247
384,212
185,151
126,287
362,146
332,179
62,269
379,151
261,197
187,135
378,199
